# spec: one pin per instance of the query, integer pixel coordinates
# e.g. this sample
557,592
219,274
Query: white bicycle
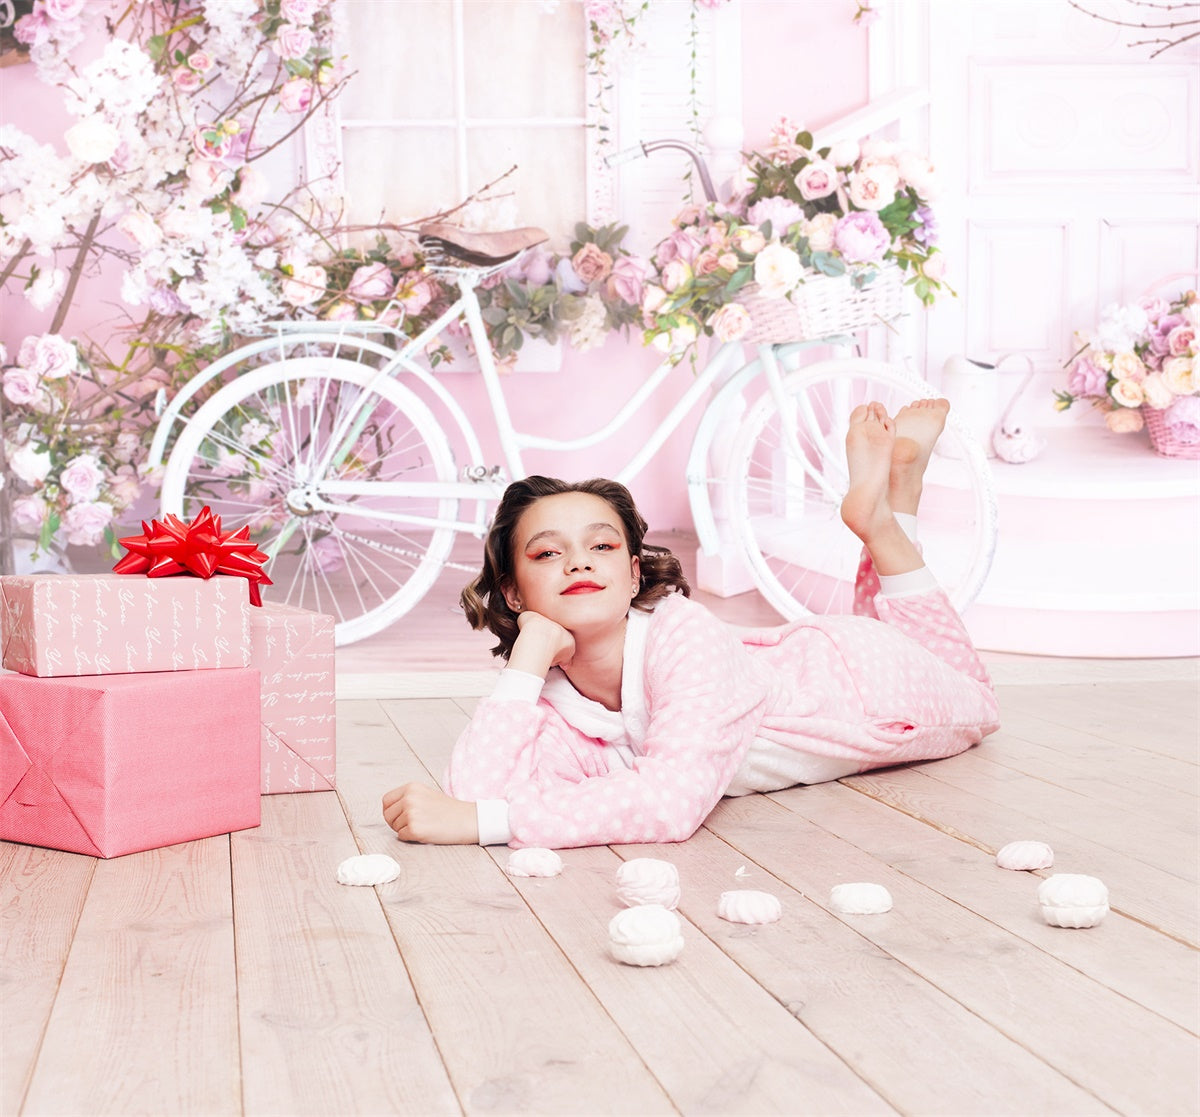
340,448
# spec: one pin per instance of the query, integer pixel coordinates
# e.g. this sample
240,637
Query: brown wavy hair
483,600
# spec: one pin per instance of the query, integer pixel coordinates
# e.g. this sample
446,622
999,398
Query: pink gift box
294,649
99,624
113,764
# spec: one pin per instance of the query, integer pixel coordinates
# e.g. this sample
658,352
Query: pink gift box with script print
102,624
113,764
294,650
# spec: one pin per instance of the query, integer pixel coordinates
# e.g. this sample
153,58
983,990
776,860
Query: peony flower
292,41
1155,389
679,245
1120,328
1086,378
29,513
730,322
296,95
85,522
50,356
819,231
781,212
1124,420
777,269
82,478
304,286
340,311
92,140
591,263
818,180
1128,393
873,187
1183,419
30,464
861,238
627,280
414,297
370,282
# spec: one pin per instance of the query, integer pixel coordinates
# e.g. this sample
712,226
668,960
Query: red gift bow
170,546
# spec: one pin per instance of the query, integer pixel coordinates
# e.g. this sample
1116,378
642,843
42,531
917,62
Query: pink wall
808,61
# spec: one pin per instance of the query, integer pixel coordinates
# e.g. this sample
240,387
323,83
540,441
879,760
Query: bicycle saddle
485,249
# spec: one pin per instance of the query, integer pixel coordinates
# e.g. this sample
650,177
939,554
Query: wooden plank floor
234,975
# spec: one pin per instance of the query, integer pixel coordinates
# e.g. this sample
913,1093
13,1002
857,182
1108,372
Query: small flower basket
1168,440
823,306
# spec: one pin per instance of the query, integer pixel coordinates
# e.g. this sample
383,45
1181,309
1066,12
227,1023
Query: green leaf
156,46
237,218
828,264
804,139
738,280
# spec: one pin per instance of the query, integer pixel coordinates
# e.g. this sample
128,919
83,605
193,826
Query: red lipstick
582,587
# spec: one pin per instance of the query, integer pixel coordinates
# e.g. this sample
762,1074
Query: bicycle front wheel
275,432
789,476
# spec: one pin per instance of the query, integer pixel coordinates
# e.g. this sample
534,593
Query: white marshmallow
748,906
646,935
645,880
368,869
860,899
1025,855
1073,900
533,862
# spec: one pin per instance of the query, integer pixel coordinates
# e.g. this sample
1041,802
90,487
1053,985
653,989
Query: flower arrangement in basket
815,241
1140,367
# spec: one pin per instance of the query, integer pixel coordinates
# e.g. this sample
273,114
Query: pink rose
50,357
82,477
62,11
252,187
729,261
627,280
209,142
187,80
85,522
818,180
707,262
1086,378
32,30
200,61
304,286
861,238
730,322
29,513
591,263
1124,420
415,296
296,95
874,187
207,178
21,386
678,245
370,282
299,11
1181,340
292,41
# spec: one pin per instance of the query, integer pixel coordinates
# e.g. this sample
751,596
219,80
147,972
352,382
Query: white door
1070,169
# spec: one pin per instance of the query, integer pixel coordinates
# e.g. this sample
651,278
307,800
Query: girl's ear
510,595
635,569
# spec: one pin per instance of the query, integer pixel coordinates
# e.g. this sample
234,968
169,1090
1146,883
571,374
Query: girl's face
572,562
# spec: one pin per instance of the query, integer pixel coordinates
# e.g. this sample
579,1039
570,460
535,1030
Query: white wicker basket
823,306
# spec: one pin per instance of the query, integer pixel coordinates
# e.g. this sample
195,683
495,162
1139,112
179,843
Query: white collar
592,718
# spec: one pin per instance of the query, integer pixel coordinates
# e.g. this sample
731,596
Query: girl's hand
540,645
419,813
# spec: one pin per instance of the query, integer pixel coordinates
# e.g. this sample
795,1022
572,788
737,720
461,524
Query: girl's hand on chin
541,640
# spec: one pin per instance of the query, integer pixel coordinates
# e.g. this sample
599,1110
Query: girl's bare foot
866,511
918,427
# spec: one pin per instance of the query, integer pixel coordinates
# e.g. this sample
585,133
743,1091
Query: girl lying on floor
626,711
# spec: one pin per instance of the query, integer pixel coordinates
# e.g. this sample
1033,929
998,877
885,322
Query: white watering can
973,389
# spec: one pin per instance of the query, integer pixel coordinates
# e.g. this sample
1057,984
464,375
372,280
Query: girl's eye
604,547
544,554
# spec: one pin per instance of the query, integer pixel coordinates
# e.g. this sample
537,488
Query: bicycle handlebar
645,148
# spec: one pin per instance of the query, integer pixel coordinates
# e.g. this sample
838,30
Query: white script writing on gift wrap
101,663
125,601
177,660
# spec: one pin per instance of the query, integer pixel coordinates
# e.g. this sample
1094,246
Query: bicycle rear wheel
789,476
262,439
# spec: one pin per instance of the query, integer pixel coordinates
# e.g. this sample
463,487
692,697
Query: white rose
85,522
92,140
1155,389
82,478
30,464
21,386
777,270
844,154
730,322
50,356
874,187
253,187
917,172
29,513
820,232
1128,393
208,178
304,286
676,340
1180,375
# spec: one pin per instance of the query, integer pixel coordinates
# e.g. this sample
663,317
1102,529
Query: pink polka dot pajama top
709,710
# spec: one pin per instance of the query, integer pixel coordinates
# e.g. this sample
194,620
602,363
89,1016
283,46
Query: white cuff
916,581
518,686
491,815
